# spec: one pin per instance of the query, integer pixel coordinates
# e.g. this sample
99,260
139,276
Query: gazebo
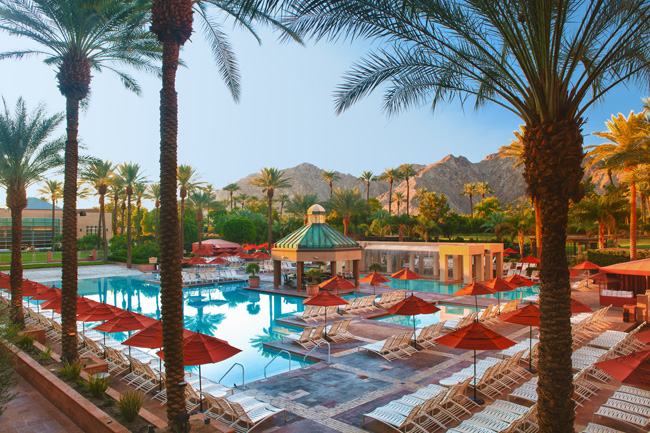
315,242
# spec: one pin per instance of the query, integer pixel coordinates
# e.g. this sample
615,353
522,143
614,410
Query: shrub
47,353
314,275
251,268
71,371
25,341
130,404
108,402
240,230
97,385
612,257
377,267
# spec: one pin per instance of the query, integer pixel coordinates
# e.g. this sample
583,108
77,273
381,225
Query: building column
436,265
488,269
499,264
389,262
355,272
334,268
479,258
412,261
467,268
455,267
300,269
421,263
277,273
443,262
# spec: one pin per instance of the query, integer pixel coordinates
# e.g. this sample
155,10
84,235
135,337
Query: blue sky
285,116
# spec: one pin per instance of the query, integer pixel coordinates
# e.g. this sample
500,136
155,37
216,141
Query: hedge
612,257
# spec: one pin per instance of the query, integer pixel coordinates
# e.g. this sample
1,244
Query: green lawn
40,257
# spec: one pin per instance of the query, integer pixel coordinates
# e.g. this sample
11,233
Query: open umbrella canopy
151,337
202,349
374,279
412,306
578,307
83,304
573,273
530,259
325,299
510,251
586,265
499,285
336,283
126,321
219,261
50,293
643,337
196,260
528,316
99,313
519,281
245,256
30,288
475,337
405,274
474,289
261,255
633,369
607,278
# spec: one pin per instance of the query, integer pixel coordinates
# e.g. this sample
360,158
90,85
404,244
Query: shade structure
608,278
126,321
633,369
519,281
196,260
150,337
528,316
5,284
530,259
336,283
405,274
30,288
578,307
510,251
200,349
499,285
99,313
643,337
244,256
261,255
413,306
225,254
573,273
374,279
47,294
219,261
475,337
83,304
586,265
476,290
325,299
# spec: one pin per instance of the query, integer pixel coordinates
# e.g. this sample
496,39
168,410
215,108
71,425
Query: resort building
37,224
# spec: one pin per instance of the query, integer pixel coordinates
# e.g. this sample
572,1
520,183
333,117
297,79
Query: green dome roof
316,236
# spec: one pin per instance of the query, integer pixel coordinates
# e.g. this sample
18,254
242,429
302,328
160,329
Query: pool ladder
276,355
329,350
243,379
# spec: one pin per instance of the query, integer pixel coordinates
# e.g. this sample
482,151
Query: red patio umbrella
99,313
261,255
336,283
499,285
573,273
643,337
528,316
244,256
325,299
475,337
405,274
83,304
202,349
475,289
530,259
218,261
48,294
374,279
633,369
585,266
519,281
578,307
125,321
412,306
150,337
196,260
510,251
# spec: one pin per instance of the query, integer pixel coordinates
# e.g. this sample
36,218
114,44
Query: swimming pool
447,312
436,287
245,319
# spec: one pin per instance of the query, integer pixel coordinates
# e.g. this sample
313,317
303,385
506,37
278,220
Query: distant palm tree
116,188
154,193
330,177
520,221
131,175
408,172
390,175
139,193
367,177
77,37
398,198
100,174
27,154
242,199
208,188
347,203
188,179
420,193
231,188
52,190
496,222
628,151
605,210
200,201
270,179
483,188
470,190
282,198
300,204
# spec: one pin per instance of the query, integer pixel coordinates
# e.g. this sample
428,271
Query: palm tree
209,189
300,204
408,172
270,179
390,175
605,210
470,190
546,61
99,174
330,177
154,194
75,37
483,188
398,198
27,153
520,220
231,188
420,193
52,190
347,203
628,151
139,193
242,199
200,201
188,179
496,222
367,177
282,198
131,175
116,188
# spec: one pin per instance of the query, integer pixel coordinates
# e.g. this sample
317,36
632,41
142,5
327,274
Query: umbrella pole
499,301
200,390
476,299
476,400
530,352
415,340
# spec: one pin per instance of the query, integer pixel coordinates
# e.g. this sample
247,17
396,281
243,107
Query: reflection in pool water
436,287
447,312
244,318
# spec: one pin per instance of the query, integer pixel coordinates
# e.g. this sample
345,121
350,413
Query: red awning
637,267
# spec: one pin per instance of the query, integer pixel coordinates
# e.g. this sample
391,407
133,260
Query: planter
37,331
253,282
312,289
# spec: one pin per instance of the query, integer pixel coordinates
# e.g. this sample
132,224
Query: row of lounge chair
394,347
361,304
501,416
312,336
630,406
317,314
426,337
240,411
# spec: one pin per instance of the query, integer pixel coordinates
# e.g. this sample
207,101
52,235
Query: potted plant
314,275
253,280
376,267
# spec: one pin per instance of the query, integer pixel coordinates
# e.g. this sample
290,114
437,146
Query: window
92,230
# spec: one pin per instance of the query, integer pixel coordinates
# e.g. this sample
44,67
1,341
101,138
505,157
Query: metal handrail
276,355
243,373
329,350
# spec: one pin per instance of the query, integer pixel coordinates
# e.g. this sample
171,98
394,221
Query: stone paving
93,271
30,412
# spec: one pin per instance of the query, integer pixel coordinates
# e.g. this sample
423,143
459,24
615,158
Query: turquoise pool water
436,287
244,318
447,312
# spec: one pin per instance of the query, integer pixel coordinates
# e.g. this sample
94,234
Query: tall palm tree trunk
69,236
390,197
368,191
99,230
633,220
116,200
53,214
102,212
520,234
346,224
601,235
182,237
270,234
554,146
122,220
138,227
199,224
408,197
171,294
538,228
128,230
16,201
